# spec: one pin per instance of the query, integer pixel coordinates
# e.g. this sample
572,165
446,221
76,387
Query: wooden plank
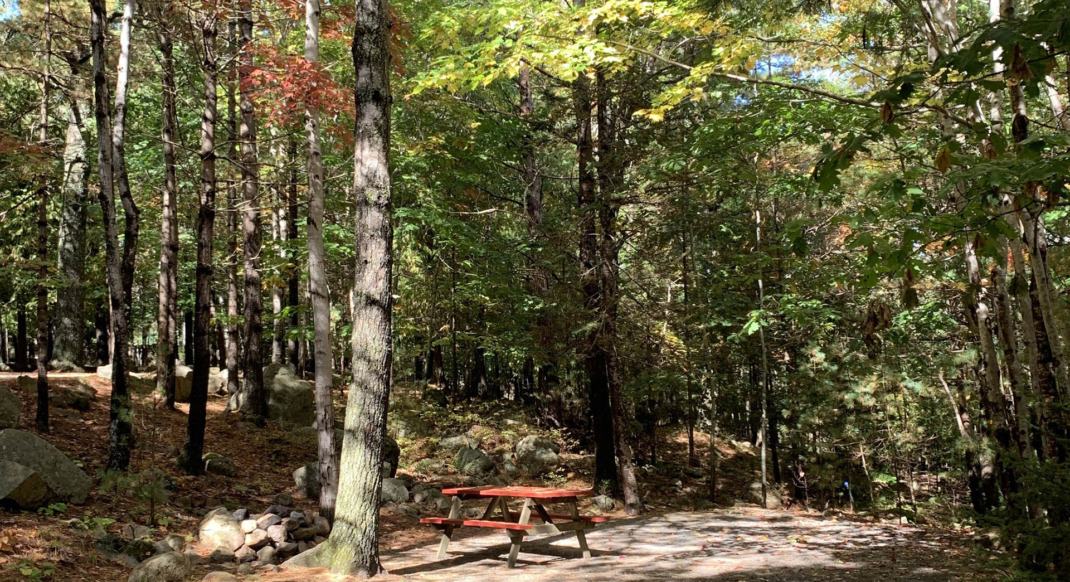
492,524
580,536
551,517
564,495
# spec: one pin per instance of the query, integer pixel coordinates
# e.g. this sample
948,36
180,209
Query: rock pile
261,539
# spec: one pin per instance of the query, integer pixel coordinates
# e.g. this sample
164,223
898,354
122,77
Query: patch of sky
9,9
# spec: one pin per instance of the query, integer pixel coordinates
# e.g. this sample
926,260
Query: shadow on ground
723,545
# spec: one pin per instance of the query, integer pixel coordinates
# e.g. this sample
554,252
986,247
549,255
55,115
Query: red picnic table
517,524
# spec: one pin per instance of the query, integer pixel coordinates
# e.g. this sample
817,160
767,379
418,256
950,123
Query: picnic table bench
517,524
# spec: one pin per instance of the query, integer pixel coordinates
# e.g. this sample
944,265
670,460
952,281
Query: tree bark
293,280
605,474
537,374
131,214
194,448
69,328
352,547
42,240
119,426
167,309
278,297
232,221
22,343
317,273
255,397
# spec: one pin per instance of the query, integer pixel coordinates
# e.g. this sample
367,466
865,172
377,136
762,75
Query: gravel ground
723,545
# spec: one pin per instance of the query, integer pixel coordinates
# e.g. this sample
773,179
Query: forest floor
680,537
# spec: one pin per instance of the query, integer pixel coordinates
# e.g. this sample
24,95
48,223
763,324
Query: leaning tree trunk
119,426
167,310
42,242
232,223
317,272
353,546
69,327
255,397
202,315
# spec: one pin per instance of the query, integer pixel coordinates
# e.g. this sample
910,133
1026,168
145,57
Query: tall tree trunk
605,472
167,310
278,297
538,371
293,280
353,547
69,326
255,397
119,426
131,214
317,273
22,344
610,174
194,448
232,219
42,239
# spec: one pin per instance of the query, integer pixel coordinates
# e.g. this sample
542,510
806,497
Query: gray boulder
21,486
183,383
537,455
291,400
604,502
394,490
220,465
772,494
307,478
217,381
64,479
104,372
10,409
471,461
219,577
220,529
167,567
78,397
455,443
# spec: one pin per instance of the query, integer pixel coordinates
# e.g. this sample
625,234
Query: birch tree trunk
255,397
353,546
131,214
167,311
119,425
202,314
317,272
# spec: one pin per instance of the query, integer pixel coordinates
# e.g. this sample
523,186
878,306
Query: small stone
304,533
175,542
221,555
278,509
297,515
319,540
409,510
267,520
322,526
266,555
283,499
169,567
442,504
241,514
194,558
248,526
302,547
245,554
473,512
291,523
604,502
220,577
277,533
286,549
394,490
245,569
257,539
219,465
161,547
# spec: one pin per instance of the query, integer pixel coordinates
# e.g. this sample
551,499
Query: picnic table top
518,491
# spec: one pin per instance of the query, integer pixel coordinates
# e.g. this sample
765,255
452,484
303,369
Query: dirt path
723,545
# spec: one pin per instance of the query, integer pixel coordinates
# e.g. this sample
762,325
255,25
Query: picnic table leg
580,535
517,537
447,532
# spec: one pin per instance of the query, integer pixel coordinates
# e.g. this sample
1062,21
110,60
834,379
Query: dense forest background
834,229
